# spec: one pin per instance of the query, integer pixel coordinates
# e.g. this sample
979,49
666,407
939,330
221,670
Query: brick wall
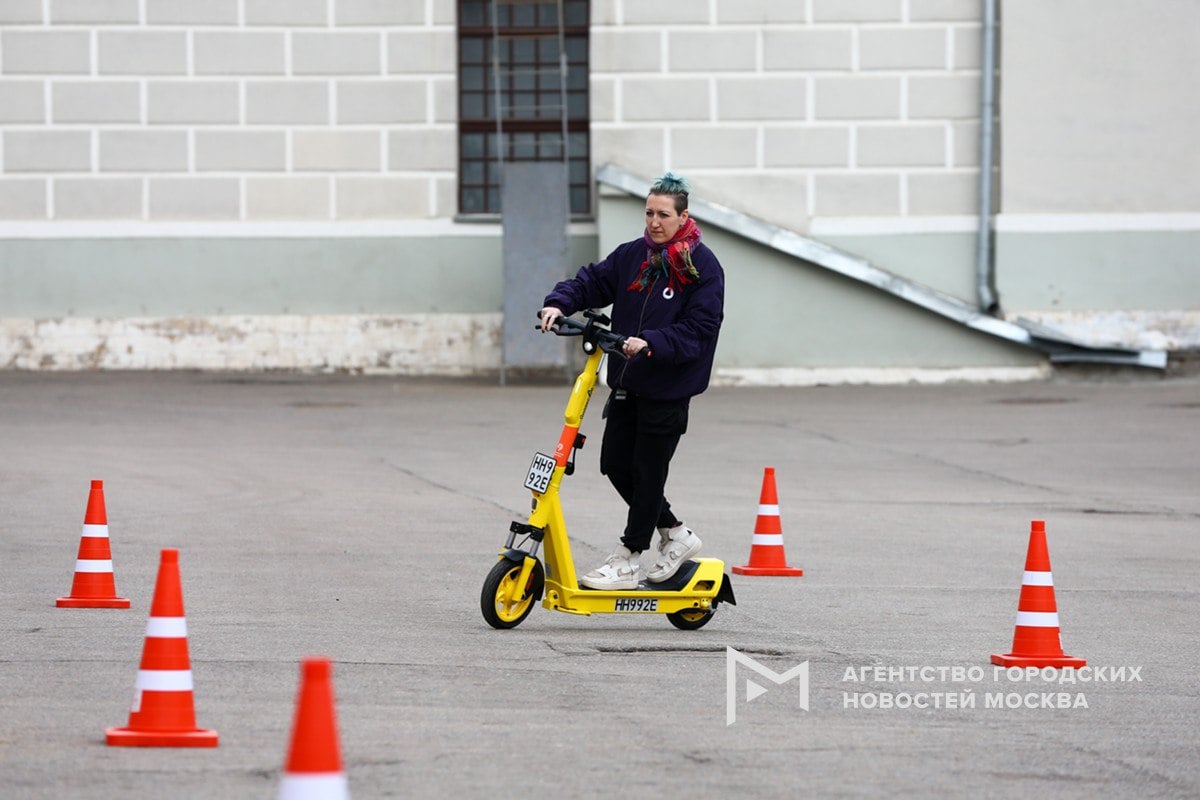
227,109
795,109
345,109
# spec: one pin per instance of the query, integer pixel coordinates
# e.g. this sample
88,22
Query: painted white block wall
855,121
262,109
801,112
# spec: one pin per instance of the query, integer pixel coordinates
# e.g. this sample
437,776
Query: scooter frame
689,598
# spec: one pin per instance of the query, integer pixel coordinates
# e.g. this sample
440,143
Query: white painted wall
851,120
242,110
796,111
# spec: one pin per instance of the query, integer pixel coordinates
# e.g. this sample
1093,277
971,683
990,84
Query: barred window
514,103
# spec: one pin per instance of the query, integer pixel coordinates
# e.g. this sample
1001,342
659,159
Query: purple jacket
681,330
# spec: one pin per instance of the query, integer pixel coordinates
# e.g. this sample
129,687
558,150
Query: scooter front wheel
690,618
503,603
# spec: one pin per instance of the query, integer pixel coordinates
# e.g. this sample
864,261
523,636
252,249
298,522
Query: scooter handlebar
608,341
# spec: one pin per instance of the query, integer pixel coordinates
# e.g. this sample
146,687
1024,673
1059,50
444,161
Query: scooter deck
698,584
676,583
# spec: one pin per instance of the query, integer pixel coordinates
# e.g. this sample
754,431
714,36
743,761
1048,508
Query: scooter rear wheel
690,618
503,603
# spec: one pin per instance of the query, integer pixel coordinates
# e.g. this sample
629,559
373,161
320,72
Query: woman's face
662,220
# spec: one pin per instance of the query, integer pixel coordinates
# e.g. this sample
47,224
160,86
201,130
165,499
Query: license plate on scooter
540,473
644,604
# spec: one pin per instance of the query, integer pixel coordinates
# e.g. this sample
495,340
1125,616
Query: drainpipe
984,273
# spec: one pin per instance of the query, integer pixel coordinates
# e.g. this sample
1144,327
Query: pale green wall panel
204,276
942,261
783,312
1149,270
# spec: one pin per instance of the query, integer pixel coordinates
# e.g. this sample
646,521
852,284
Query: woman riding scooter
667,291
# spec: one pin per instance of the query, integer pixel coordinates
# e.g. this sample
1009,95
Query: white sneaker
618,572
664,538
677,545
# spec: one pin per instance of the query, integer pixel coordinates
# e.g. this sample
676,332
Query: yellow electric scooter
689,598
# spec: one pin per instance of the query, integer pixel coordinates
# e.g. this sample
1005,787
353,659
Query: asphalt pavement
356,517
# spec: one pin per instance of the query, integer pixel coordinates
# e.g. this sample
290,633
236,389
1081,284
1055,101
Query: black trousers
640,438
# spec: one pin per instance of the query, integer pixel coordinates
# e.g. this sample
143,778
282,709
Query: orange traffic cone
94,585
1035,640
766,550
163,714
314,763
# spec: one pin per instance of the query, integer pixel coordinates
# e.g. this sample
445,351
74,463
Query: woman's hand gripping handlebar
553,320
548,316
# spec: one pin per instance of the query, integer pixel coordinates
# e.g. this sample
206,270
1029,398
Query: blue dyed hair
675,186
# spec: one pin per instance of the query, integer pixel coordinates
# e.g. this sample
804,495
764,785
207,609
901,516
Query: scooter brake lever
615,346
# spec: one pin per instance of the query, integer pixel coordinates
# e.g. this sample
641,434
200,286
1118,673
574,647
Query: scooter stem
585,384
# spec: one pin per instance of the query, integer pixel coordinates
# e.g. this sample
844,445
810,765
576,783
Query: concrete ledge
1155,329
411,344
876,376
447,345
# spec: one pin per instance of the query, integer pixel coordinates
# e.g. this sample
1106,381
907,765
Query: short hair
675,186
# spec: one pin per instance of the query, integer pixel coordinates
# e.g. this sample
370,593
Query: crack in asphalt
444,487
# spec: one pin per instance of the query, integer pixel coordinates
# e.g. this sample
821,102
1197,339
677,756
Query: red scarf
672,259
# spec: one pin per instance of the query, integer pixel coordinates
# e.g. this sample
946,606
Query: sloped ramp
1058,345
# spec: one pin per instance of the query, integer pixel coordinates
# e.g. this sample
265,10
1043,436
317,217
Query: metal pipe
984,269
498,110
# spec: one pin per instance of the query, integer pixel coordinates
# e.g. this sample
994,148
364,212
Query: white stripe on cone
313,786
164,680
767,539
768,511
1037,579
1038,619
166,627
96,531
93,565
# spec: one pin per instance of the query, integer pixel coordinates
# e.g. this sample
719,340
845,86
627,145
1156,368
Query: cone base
1015,660
126,737
749,569
92,602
